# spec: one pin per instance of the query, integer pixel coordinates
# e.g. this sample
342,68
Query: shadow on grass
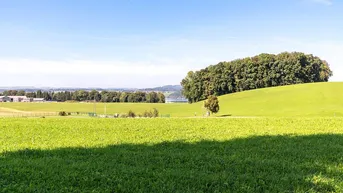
226,115
255,164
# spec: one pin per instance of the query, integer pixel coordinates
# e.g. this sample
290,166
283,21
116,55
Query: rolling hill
305,100
315,99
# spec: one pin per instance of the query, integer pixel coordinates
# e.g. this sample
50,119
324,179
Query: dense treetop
103,96
264,70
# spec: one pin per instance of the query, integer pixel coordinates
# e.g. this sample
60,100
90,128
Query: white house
5,99
20,99
27,100
17,98
38,100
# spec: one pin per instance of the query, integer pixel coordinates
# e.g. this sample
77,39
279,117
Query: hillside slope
305,100
316,99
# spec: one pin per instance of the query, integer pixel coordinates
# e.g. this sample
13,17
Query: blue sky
139,43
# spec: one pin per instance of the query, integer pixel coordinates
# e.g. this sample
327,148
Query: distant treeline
264,70
103,96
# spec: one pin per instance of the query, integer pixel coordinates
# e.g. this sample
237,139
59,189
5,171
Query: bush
155,112
62,113
212,104
69,113
123,116
147,114
131,114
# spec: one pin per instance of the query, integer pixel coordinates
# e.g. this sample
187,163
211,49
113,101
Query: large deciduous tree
264,70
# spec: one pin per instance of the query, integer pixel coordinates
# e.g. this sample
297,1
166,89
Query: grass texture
171,155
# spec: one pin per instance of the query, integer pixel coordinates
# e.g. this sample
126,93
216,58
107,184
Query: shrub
131,114
69,113
147,114
155,112
123,115
62,113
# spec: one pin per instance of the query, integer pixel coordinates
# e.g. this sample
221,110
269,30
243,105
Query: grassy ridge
171,155
318,99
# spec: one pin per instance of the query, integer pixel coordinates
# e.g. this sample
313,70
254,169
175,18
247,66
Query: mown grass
171,155
306,100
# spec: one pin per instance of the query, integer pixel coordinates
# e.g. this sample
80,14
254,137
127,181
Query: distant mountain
176,95
167,88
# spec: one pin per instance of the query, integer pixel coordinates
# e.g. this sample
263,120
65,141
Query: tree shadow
256,164
226,115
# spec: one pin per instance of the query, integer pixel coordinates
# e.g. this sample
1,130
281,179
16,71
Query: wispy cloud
82,67
88,73
324,2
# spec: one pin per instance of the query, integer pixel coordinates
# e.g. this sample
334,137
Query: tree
105,97
21,93
39,94
161,97
264,70
31,95
94,95
212,104
124,97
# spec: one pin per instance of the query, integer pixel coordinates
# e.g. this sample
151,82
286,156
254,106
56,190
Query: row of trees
104,96
264,70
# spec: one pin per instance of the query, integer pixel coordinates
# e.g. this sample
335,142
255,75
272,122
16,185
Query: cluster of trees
264,70
13,93
103,96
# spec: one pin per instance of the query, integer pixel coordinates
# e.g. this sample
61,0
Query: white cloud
81,73
162,63
325,2
80,67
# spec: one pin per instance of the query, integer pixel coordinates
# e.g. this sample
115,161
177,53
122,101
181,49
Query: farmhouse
20,99
12,98
27,100
5,99
38,100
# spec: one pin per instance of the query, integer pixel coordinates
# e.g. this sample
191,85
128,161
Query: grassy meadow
306,100
171,155
282,139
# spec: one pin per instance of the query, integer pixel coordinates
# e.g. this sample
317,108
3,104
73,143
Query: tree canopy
212,104
103,96
264,70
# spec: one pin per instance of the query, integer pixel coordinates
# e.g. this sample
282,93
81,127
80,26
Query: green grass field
283,139
171,155
307,100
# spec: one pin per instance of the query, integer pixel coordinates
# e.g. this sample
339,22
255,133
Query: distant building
20,99
27,100
17,98
38,100
5,99
176,100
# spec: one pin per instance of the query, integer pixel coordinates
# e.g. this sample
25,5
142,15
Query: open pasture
171,155
305,100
